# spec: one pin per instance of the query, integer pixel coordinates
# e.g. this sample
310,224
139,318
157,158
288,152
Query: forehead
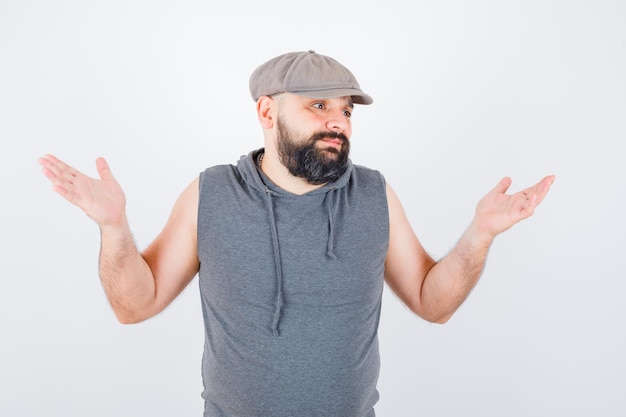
343,100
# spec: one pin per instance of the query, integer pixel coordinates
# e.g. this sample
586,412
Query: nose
338,121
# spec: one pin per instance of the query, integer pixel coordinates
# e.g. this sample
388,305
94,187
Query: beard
304,159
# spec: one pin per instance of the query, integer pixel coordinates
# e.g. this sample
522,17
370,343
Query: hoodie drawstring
277,263
330,250
330,246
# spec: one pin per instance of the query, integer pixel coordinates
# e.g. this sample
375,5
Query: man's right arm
138,285
141,285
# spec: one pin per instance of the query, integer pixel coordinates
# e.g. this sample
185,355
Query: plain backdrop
465,93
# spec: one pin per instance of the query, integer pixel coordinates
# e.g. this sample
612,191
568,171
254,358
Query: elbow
436,318
132,311
127,320
440,319
128,317
432,315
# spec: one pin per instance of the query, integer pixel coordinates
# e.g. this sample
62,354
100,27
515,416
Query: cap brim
358,96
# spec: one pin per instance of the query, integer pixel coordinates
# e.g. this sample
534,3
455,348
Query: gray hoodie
291,289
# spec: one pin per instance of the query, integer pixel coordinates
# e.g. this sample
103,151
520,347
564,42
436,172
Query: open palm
101,199
498,211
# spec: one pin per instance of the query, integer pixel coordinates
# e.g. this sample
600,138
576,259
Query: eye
319,106
347,113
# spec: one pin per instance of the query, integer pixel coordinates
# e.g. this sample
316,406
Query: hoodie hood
256,179
253,176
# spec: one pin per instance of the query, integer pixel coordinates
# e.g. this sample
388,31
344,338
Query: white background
465,93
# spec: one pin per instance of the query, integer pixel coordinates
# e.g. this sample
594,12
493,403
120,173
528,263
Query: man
292,246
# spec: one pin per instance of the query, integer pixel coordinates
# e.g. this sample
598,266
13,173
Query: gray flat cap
307,74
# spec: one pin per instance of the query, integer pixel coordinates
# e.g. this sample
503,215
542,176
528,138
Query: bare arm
137,285
435,290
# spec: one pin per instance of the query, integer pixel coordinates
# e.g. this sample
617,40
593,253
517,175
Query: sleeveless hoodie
291,289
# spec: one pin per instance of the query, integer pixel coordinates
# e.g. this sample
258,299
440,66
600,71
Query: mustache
328,135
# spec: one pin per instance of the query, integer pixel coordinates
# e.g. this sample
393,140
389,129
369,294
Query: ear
265,107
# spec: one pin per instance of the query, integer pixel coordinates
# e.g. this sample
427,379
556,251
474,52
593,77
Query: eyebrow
349,102
346,99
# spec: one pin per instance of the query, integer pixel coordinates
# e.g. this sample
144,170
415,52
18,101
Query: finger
540,190
547,182
524,206
503,185
532,202
60,165
52,171
56,170
63,188
103,169
65,193
62,176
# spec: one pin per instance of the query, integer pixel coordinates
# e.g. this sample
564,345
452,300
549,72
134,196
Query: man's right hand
101,199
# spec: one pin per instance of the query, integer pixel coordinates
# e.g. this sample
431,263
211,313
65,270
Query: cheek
348,131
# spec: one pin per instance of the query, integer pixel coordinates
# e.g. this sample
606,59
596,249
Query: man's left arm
435,290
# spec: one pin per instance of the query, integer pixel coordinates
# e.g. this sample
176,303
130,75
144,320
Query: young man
292,246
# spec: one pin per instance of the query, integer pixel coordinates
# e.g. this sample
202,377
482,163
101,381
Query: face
321,155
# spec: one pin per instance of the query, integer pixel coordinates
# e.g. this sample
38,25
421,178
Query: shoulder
363,173
186,206
366,188
217,172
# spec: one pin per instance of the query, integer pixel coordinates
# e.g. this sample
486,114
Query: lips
329,136
333,141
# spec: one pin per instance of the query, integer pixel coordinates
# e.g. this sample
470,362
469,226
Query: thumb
503,185
103,169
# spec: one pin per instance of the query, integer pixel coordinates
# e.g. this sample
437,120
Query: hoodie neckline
256,178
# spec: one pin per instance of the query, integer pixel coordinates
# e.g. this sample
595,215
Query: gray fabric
291,290
308,74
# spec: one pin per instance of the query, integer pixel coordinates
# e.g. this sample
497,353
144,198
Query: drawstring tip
331,255
275,330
